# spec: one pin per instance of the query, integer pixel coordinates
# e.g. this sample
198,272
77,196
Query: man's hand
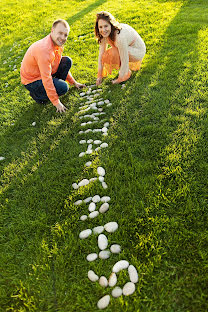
79,85
98,81
60,108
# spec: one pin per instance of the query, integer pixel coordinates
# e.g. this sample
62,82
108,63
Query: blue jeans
37,90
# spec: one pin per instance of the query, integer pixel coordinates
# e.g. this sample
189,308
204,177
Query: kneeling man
44,71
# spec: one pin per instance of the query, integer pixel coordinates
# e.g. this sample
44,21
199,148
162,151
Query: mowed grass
156,163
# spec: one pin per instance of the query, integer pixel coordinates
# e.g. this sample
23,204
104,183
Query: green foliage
156,163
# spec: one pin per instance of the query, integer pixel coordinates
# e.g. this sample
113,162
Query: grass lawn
156,163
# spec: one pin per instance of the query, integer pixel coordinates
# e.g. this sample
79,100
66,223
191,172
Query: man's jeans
37,90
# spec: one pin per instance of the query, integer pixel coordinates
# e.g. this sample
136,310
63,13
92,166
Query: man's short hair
62,21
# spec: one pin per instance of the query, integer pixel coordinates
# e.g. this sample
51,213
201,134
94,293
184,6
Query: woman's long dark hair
115,26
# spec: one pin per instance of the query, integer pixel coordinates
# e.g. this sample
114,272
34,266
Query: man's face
59,34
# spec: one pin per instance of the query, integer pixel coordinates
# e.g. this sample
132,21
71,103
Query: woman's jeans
37,90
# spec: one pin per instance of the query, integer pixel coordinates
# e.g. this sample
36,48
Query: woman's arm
124,72
102,49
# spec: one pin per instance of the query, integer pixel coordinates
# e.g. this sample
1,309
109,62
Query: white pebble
104,185
133,275
88,152
92,276
89,163
85,233
103,281
89,141
103,302
82,94
97,148
112,280
88,130
107,101
2,157
93,179
83,182
115,248
88,199
98,229
101,171
120,265
96,198
75,186
116,292
104,254
83,124
97,142
82,141
106,124
111,227
104,129
81,154
33,123
93,214
104,207
92,207
83,218
102,241
129,289
78,202
80,132
101,179
105,199
92,257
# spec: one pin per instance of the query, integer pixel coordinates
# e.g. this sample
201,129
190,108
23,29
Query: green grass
156,163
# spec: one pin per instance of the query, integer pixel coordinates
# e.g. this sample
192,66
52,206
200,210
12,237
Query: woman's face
104,28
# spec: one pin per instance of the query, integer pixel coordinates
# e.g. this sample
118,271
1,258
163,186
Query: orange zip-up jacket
41,61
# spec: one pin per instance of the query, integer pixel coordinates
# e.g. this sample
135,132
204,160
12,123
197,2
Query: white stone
104,129
115,248
82,141
92,257
93,179
101,171
104,207
98,229
88,164
105,133
92,207
133,275
88,152
89,141
120,265
116,292
96,199
100,109
128,289
103,281
78,202
110,104
2,157
88,130
104,254
104,185
33,123
103,302
85,233
106,124
112,280
80,132
88,199
83,124
101,179
82,94
89,146
75,186
102,242
97,142
83,218
105,199
81,154
93,214
97,148
107,101
92,276
111,227
83,182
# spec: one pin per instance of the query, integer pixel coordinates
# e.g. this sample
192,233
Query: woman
127,48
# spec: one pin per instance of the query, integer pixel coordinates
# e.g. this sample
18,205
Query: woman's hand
99,81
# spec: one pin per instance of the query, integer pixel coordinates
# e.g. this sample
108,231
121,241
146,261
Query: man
44,71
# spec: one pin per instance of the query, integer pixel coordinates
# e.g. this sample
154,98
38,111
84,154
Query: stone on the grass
85,233
103,302
101,178
88,130
96,199
100,103
80,132
75,186
89,151
96,130
111,227
78,202
89,163
33,123
88,199
105,199
97,148
102,242
98,229
92,207
112,280
82,94
110,104
92,257
103,281
116,292
93,214
107,101
120,265
106,124
83,124
83,182
89,146
81,154
104,207
83,218
115,248
100,109
2,157
133,275
129,289
89,122
104,254
82,141
104,129
105,133
93,179
90,141
104,185
101,171
97,142
92,276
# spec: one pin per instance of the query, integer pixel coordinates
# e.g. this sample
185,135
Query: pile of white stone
94,104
